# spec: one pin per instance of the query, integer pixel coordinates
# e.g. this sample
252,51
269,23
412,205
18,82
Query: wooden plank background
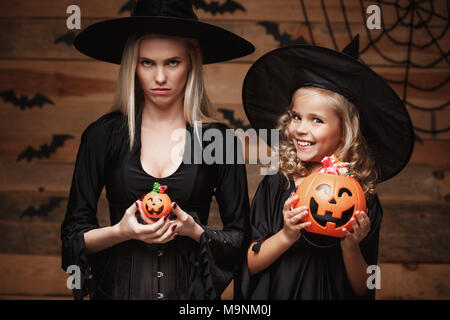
76,90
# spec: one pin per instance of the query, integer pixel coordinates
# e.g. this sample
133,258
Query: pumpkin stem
156,186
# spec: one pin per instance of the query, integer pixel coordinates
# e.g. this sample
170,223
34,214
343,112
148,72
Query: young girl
284,261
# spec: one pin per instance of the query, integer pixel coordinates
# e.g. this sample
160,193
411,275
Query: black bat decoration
215,7
128,6
284,39
67,38
236,123
23,102
44,209
45,150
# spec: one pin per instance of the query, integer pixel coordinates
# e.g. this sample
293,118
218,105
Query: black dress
313,267
179,269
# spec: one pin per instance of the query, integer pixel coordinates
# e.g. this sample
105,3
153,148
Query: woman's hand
160,231
185,224
292,218
361,228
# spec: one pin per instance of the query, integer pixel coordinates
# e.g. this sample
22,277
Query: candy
332,165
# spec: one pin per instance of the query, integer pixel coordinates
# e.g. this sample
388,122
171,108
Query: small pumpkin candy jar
332,200
157,204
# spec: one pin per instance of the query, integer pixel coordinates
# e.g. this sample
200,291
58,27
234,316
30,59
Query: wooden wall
49,93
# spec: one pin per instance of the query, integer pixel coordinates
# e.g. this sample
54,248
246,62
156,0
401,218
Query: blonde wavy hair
353,148
129,97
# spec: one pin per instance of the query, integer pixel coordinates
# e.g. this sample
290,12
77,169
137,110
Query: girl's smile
315,128
304,145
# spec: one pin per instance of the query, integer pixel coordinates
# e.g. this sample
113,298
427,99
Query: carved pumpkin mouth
153,211
328,216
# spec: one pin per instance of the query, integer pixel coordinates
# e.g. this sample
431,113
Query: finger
304,225
180,213
364,215
299,210
160,233
167,224
153,236
173,236
295,211
168,235
363,220
365,225
354,223
155,226
355,226
360,216
170,238
300,216
366,218
347,233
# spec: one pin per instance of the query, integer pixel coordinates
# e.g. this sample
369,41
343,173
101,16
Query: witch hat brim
105,40
384,120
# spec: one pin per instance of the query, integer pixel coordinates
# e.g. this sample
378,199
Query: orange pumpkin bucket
332,198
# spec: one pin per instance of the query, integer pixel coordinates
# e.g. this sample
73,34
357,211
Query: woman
160,90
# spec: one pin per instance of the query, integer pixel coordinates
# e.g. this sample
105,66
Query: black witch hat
105,40
384,120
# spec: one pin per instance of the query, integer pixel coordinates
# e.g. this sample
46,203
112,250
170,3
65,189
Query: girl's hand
292,218
185,224
160,231
361,228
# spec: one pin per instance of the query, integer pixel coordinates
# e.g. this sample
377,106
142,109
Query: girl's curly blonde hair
353,149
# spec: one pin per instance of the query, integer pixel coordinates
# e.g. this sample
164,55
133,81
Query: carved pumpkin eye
344,190
324,188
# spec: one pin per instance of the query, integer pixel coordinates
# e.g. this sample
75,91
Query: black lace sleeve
87,184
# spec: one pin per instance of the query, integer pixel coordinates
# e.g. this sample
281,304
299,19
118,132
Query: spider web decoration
414,15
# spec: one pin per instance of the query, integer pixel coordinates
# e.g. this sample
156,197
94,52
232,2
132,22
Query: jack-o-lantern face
332,201
157,204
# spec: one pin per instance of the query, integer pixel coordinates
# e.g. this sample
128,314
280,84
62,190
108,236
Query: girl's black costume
313,267
179,269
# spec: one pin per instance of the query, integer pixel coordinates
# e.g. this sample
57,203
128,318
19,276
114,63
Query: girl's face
315,128
162,70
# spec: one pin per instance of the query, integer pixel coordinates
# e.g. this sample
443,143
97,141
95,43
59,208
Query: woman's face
315,128
162,70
